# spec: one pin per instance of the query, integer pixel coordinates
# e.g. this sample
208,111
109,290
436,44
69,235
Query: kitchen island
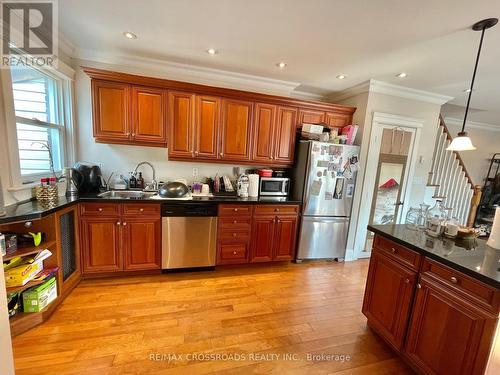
433,300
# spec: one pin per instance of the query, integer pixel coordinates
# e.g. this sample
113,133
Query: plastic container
265,172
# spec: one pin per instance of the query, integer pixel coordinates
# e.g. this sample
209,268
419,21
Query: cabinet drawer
100,209
235,223
399,253
485,295
232,253
281,209
141,209
235,210
234,235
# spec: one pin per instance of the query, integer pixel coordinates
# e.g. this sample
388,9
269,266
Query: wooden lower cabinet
141,243
120,242
447,334
260,233
388,297
440,320
101,244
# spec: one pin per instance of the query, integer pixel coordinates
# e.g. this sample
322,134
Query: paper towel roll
494,240
253,185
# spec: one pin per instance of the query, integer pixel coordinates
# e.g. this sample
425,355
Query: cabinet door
264,132
141,243
181,124
310,116
285,235
111,103
284,136
149,115
263,229
448,335
388,296
337,120
236,129
101,244
207,127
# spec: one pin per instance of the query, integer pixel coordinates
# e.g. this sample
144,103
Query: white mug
205,190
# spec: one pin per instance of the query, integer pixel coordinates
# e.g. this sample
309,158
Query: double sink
126,194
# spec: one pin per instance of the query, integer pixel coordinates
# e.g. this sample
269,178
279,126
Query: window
39,125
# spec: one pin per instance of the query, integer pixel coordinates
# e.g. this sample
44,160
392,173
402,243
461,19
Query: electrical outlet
195,172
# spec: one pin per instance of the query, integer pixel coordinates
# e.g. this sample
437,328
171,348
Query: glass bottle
422,220
436,217
412,218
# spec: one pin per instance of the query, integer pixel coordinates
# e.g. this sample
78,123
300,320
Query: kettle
74,180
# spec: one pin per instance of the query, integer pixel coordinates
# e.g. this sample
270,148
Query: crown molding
308,95
389,89
186,72
472,124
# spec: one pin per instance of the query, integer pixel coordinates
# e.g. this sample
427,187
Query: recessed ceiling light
212,51
281,65
129,35
341,76
402,75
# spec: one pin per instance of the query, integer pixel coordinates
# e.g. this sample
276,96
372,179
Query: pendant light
462,142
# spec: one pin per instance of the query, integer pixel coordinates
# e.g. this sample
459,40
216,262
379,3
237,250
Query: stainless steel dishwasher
189,232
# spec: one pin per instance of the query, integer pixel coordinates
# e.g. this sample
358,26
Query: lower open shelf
21,322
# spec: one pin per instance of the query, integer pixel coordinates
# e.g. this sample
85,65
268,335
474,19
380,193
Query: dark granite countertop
33,209
473,258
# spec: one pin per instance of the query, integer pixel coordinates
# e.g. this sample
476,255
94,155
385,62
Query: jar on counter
436,218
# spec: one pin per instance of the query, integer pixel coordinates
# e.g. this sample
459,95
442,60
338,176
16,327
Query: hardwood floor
131,325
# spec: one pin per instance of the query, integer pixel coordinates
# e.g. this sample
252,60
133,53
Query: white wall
377,102
487,142
6,358
122,159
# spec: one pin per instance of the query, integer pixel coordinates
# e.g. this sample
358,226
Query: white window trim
66,75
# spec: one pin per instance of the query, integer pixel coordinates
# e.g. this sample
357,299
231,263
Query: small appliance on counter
274,186
73,180
91,177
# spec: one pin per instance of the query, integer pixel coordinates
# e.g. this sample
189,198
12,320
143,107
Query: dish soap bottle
132,181
140,181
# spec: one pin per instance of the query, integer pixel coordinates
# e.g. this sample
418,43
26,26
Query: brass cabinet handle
393,250
235,221
124,224
221,154
276,210
407,281
419,286
133,134
118,223
234,252
234,234
454,280
196,152
141,210
100,209
235,210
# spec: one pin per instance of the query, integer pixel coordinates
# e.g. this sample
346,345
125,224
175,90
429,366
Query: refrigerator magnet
315,148
339,188
349,191
316,187
348,172
328,196
323,163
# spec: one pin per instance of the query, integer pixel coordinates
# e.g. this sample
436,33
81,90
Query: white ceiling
431,40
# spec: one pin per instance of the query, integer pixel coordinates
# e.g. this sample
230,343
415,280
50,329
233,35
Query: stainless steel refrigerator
324,179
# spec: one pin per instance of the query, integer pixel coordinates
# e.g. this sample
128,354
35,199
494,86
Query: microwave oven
274,186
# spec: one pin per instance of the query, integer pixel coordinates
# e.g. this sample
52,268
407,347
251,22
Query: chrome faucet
154,184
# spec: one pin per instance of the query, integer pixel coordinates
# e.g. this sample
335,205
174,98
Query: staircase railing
449,176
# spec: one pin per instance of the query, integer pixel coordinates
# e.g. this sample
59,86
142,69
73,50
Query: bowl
173,190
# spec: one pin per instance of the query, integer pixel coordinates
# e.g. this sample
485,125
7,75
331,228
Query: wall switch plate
195,172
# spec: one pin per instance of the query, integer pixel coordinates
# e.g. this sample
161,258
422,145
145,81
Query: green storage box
38,297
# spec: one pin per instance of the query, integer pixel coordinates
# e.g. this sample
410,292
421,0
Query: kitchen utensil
173,190
73,181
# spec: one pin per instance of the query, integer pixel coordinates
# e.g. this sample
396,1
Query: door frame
380,122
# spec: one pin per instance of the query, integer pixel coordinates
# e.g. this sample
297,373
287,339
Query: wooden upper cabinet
310,116
111,110
149,107
448,335
337,120
284,138
236,129
264,132
388,296
207,126
181,124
